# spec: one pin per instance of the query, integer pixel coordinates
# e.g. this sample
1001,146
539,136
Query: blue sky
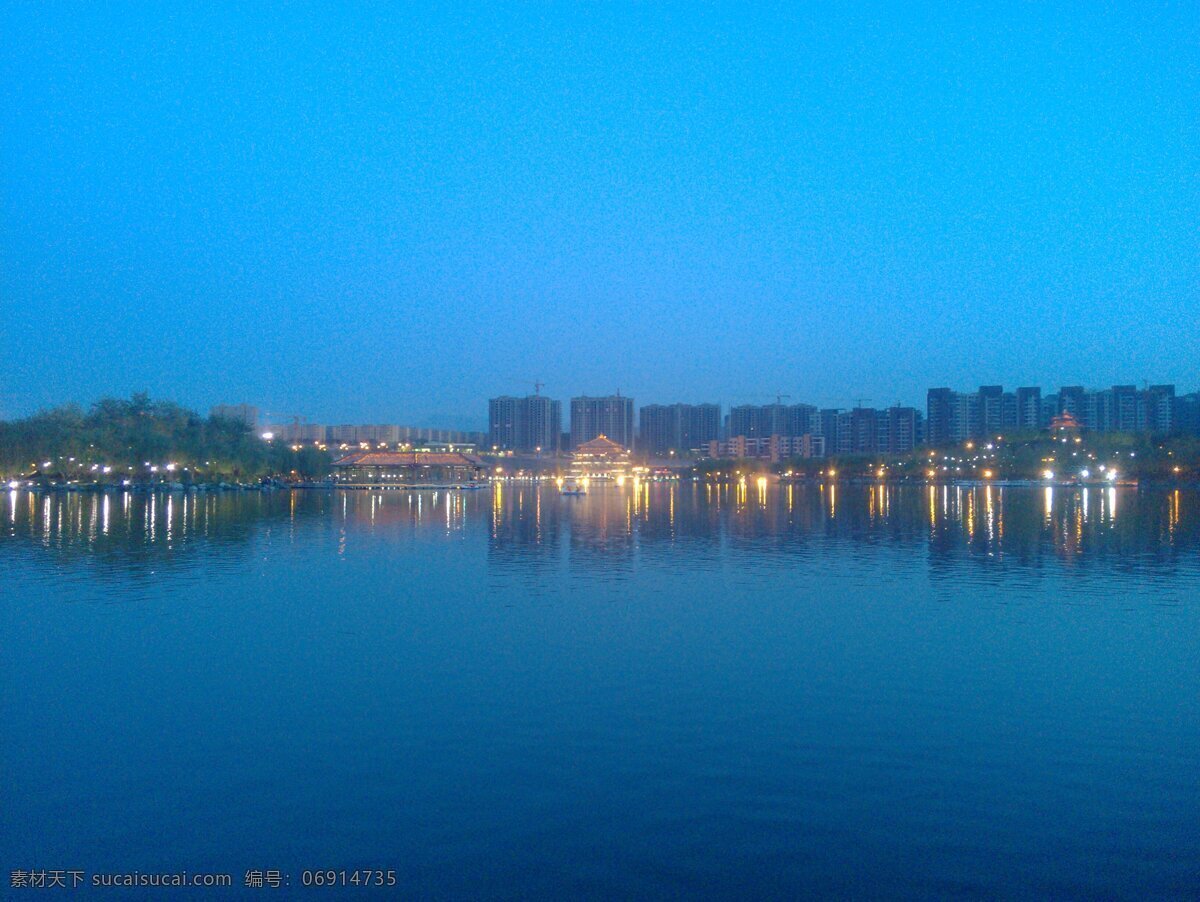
366,215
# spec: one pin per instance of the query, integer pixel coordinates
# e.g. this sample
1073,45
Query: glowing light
268,436
1047,474
14,484
987,474
1110,475
833,472
1084,474
762,482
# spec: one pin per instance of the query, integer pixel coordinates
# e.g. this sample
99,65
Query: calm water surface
669,690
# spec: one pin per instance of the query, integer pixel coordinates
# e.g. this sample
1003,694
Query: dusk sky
362,216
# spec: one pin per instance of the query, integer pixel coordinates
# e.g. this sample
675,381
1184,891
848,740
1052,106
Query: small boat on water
571,485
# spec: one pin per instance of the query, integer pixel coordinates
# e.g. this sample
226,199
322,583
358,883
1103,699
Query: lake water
667,690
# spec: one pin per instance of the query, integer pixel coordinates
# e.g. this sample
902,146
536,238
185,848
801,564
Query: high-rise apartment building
610,416
955,417
989,411
665,429
1070,400
864,428
940,416
1159,406
1186,413
531,424
763,421
1029,409
1122,408
899,431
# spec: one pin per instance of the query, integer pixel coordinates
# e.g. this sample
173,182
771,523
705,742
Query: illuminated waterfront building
773,448
371,434
600,458
405,468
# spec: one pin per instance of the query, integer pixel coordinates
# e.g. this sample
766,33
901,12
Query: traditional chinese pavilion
600,458
1065,424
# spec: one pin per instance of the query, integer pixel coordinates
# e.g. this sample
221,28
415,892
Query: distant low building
773,448
298,432
407,468
372,434
243,413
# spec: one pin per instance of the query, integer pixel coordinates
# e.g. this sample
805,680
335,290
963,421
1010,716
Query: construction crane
538,384
296,418
858,402
780,397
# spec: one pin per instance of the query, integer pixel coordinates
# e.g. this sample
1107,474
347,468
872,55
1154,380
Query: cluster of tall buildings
779,430
675,429
953,416
530,424
533,424
860,430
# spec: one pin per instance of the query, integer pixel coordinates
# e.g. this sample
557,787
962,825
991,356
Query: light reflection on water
652,689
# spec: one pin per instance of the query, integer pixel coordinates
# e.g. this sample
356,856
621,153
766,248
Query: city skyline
479,422
535,424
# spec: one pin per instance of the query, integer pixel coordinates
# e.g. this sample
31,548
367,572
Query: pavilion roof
601,444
